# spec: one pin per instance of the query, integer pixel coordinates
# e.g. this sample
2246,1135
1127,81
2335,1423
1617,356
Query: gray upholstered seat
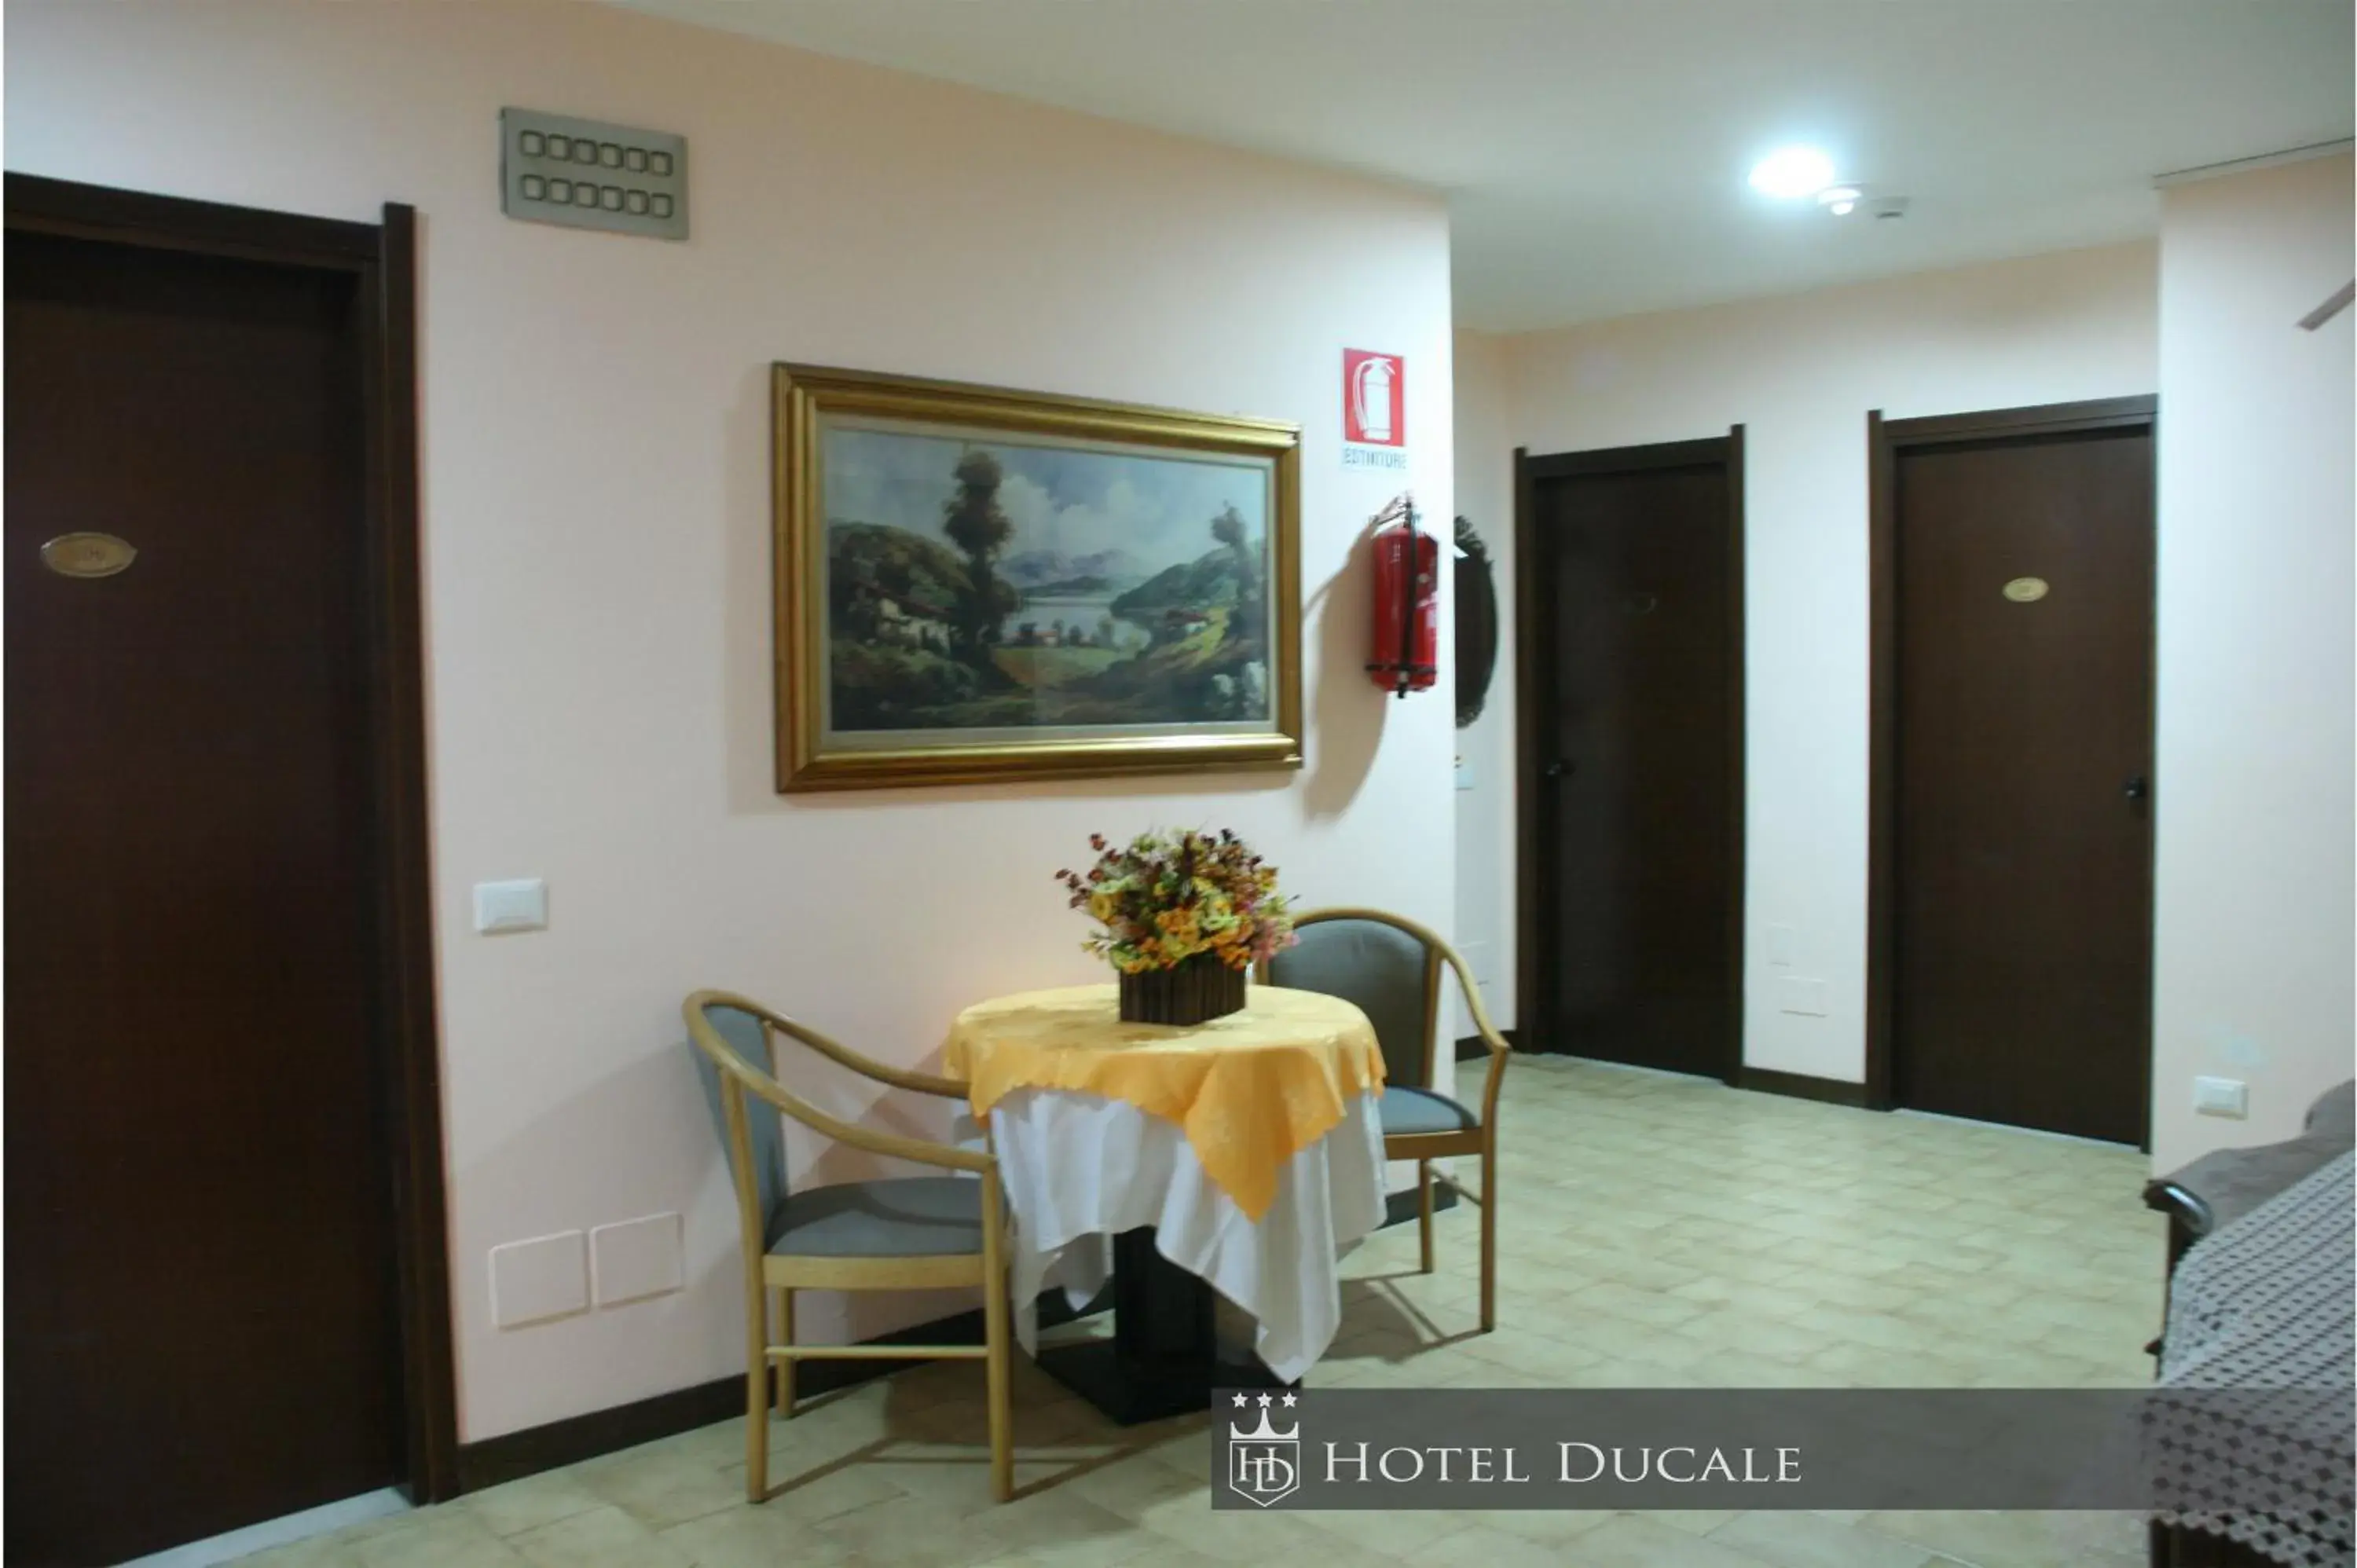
1407,1108
895,1217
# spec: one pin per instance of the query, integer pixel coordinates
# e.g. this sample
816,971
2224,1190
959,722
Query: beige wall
1485,749
2252,792
1799,372
596,507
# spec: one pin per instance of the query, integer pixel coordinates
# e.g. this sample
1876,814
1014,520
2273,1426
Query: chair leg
994,1327
785,1372
1424,1209
1489,1235
756,1392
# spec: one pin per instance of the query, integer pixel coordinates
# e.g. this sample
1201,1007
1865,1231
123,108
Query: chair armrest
1499,1051
923,1151
922,1082
2182,1205
869,1067
2189,1219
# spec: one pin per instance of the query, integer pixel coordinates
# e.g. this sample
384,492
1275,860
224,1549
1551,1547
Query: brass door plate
87,554
2026,590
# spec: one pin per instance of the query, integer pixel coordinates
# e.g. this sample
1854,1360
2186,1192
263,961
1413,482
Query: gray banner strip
2186,1450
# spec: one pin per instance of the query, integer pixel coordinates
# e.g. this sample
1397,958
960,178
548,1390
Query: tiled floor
1655,1232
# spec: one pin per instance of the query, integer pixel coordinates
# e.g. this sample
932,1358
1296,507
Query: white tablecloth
1080,1169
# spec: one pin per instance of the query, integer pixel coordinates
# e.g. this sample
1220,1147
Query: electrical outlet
635,1259
2221,1097
533,1281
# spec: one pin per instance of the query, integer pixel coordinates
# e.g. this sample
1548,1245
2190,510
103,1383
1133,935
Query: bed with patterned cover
2263,1266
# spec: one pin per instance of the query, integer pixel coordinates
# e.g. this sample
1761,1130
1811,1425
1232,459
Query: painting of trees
976,524
1229,529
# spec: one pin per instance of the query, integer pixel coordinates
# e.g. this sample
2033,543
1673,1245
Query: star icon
1288,1402
1240,1402
1264,1402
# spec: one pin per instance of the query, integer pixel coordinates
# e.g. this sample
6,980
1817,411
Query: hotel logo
1263,1463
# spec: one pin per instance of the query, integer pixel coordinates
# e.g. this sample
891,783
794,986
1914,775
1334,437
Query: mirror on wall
1476,623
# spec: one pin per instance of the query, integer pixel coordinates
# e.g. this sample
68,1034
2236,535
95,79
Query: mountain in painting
1033,570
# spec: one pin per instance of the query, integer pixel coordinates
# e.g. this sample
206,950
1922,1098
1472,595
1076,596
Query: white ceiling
1594,151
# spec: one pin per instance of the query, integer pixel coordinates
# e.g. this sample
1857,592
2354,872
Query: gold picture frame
973,584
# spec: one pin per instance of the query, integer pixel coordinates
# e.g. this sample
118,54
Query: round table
1246,1151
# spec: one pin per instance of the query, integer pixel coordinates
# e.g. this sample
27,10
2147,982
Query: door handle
2136,787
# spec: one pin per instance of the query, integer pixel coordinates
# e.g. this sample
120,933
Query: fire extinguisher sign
1375,410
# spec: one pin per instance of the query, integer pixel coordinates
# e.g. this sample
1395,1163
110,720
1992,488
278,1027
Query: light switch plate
2221,1097
1779,946
521,906
539,1279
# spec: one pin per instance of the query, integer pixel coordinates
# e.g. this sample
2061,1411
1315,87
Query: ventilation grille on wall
586,175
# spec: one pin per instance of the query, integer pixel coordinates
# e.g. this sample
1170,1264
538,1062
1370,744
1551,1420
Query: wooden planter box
1199,989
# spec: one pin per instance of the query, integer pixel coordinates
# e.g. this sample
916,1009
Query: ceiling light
1840,198
1791,172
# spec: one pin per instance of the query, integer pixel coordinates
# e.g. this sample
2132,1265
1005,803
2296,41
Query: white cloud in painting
887,478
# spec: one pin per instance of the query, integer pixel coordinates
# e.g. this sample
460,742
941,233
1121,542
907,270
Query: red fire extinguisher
1406,653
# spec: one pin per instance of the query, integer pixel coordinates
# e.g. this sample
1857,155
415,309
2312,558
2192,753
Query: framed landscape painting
976,584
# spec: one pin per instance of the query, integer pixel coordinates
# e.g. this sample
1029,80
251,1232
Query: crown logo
1263,1432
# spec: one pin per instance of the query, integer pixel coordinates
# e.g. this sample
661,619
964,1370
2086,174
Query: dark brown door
2022,953
201,1322
1635,756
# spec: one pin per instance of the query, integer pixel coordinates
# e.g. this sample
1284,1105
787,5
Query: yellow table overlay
1251,1090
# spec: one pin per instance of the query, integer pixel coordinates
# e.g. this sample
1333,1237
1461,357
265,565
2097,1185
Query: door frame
382,259
1529,471
1886,439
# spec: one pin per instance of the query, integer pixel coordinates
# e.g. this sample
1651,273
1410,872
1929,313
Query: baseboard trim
512,1456
1400,1208
1472,1048
1802,1086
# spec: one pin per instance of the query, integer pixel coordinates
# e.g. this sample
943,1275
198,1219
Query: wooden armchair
1390,967
891,1233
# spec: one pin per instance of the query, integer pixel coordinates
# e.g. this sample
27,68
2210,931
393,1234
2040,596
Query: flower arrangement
1167,903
